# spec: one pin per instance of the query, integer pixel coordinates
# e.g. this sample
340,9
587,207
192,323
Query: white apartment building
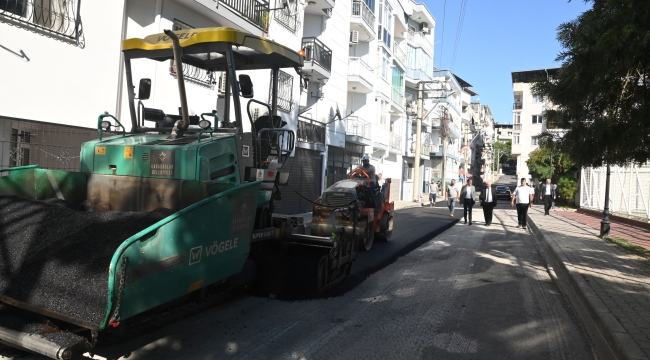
391,50
502,132
528,114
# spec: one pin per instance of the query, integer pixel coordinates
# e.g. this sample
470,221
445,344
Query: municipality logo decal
195,255
162,156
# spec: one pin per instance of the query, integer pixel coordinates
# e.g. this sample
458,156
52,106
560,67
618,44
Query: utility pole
605,223
466,148
418,139
443,125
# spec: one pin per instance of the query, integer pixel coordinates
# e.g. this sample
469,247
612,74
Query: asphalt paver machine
179,207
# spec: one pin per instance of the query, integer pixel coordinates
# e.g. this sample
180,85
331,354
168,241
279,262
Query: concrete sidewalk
612,285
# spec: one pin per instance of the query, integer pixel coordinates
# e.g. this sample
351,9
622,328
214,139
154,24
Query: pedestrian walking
524,196
488,202
467,194
433,193
452,196
547,193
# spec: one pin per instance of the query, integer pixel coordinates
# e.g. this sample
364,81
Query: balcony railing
397,97
252,10
60,18
399,53
360,9
418,40
516,106
317,52
357,126
358,67
517,127
310,131
395,142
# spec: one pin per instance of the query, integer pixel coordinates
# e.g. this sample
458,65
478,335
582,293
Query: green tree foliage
539,164
505,151
601,94
567,188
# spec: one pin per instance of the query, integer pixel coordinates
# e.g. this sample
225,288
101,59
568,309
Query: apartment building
528,115
503,132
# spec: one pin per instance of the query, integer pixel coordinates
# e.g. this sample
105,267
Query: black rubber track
58,257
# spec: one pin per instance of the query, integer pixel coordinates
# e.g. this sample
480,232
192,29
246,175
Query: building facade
527,116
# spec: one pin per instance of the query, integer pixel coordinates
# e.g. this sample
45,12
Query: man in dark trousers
523,196
467,195
488,201
547,193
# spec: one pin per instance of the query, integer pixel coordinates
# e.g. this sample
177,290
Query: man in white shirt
467,195
488,202
433,193
524,196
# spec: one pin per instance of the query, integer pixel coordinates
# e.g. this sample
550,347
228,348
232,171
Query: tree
601,94
567,188
505,152
539,163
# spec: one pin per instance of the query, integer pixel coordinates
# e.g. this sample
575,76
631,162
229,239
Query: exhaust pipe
181,126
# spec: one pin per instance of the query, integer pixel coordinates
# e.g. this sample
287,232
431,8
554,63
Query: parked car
503,192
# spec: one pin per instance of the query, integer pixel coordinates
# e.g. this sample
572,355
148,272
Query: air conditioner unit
425,30
222,83
354,37
424,26
414,108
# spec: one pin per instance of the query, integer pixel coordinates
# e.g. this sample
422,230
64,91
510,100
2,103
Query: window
385,23
517,118
285,91
515,139
283,15
538,99
192,73
55,16
537,119
383,109
384,60
534,140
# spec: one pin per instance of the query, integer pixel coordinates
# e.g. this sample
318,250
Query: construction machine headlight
205,124
105,125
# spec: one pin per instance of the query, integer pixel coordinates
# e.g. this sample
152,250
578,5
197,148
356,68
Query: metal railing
629,194
310,131
317,52
358,67
51,146
357,126
255,11
418,40
60,18
284,17
517,127
395,142
399,53
360,9
516,106
285,91
397,97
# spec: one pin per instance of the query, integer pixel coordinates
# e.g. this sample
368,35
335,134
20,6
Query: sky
498,37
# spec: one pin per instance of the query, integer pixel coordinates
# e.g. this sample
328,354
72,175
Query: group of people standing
523,198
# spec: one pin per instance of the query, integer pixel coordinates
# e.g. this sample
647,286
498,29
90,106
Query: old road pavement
470,292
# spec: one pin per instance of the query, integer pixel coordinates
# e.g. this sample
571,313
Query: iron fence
285,91
255,11
52,146
284,17
192,73
317,52
357,126
60,18
360,9
310,131
629,192
516,106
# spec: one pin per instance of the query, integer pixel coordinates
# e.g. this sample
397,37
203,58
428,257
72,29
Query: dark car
503,192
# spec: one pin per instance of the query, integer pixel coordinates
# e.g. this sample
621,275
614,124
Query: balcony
247,15
397,100
425,150
363,21
517,127
396,144
318,59
319,7
400,56
418,40
380,138
455,132
360,76
358,131
416,75
310,134
517,106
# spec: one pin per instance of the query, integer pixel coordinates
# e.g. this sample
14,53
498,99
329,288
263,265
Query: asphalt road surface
471,292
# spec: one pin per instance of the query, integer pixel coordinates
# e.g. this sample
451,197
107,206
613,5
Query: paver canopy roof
205,48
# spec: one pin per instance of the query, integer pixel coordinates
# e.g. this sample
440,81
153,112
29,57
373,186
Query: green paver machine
220,182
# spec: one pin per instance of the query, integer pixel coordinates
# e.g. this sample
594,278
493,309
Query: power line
459,31
442,42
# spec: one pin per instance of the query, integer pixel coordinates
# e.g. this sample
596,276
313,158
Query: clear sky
498,37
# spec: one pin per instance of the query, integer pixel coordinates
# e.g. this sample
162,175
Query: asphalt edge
612,331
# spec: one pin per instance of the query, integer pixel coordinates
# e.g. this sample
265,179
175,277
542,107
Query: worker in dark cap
368,169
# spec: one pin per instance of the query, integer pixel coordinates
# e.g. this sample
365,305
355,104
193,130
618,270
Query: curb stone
613,332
